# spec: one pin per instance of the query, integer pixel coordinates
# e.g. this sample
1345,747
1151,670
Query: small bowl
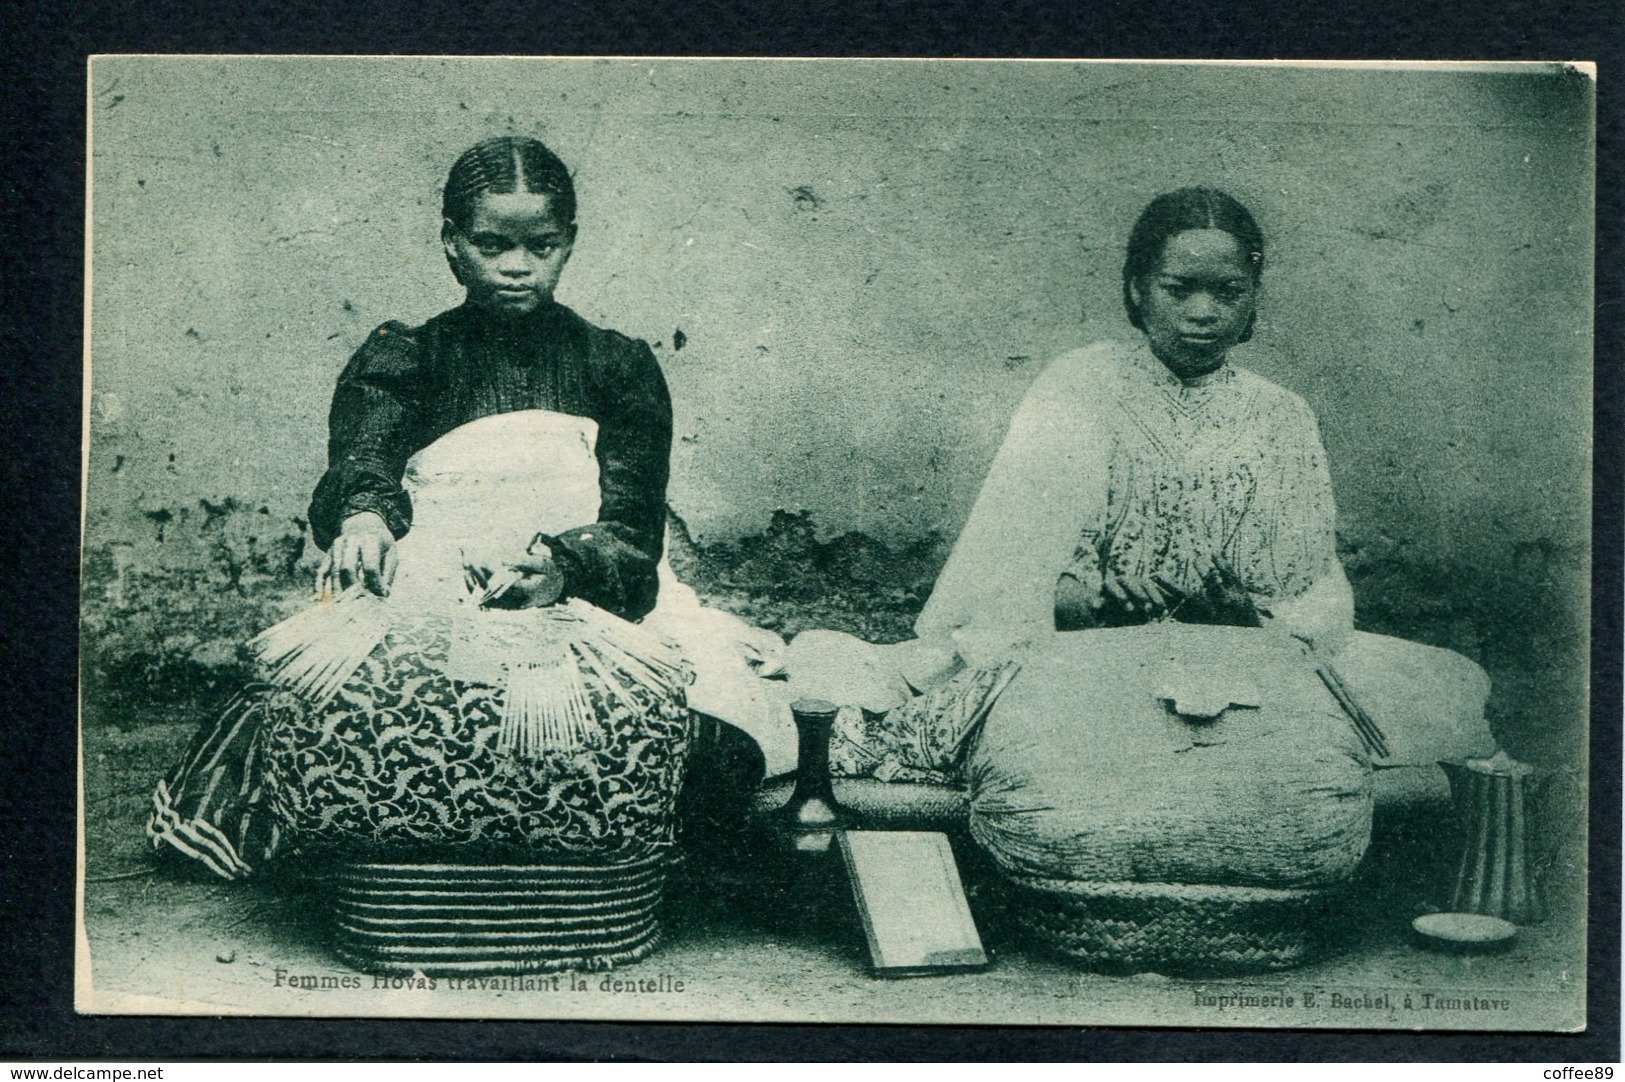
1464,932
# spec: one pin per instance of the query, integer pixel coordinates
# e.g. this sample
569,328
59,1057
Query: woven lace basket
1172,927
452,842
464,919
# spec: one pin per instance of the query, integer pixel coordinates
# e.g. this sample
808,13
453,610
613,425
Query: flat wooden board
911,901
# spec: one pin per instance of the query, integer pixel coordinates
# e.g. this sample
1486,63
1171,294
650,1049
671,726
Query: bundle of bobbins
1171,927
466,919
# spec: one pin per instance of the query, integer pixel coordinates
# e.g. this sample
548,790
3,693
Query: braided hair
504,164
1173,213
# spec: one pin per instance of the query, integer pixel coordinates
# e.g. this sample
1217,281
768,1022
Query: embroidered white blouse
1114,464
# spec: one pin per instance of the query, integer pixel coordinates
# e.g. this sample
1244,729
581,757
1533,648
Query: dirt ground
165,942
162,626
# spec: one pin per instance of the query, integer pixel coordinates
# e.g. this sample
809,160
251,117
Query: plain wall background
869,262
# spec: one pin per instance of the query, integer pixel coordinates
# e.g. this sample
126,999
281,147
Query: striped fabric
223,819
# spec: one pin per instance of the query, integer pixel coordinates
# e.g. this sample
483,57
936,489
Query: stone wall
850,274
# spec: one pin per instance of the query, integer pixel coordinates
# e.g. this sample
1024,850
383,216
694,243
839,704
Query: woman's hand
1226,590
532,581
364,552
1223,600
1138,596
1120,601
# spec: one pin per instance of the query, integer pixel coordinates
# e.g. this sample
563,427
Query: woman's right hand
1121,601
1134,599
364,552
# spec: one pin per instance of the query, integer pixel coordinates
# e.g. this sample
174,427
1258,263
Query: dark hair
1178,212
507,163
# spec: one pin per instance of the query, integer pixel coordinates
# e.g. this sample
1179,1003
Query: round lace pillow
408,761
1175,754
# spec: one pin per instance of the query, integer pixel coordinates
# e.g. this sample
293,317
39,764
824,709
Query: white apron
486,488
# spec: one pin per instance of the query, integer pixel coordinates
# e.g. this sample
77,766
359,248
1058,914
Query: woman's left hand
532,581
540,583
1223,599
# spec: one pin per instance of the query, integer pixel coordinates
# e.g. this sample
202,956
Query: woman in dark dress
509,228
494,501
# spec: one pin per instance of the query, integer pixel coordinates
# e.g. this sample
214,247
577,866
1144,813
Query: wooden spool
810,819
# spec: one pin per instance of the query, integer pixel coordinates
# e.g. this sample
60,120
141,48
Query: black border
42,68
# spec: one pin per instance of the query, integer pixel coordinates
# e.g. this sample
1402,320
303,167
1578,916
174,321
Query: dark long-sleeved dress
406,387
402,752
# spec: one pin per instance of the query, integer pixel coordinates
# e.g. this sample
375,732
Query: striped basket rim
1179,926
362,909
475,882
445,883
425,956
475,873
468,962
433,957
467,918
492,937
1194,893
508,919
496,870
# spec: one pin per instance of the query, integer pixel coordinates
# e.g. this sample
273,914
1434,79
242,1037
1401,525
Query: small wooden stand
810,818
905,883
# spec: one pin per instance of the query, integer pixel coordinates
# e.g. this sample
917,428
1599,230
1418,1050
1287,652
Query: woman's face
1198,301
512,251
